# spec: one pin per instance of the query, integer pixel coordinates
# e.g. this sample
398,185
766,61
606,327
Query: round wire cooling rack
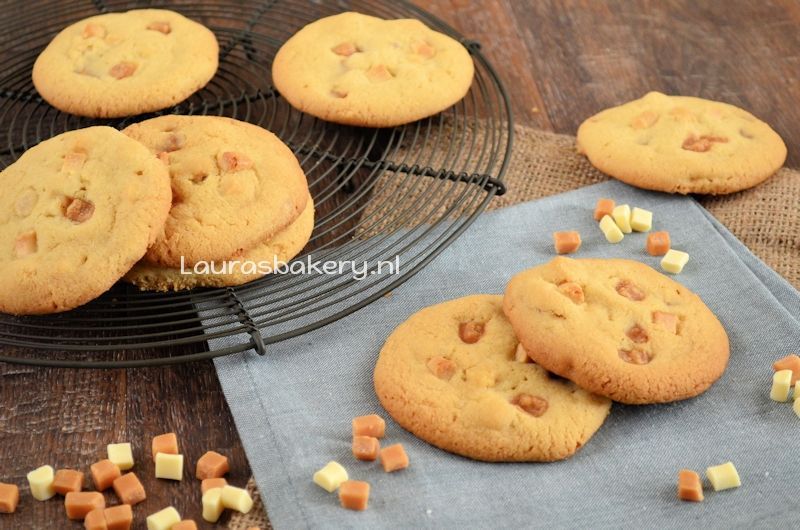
387,201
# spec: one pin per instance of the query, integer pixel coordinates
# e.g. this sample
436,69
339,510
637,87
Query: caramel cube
212,465
67,480
80,503
790,362
658,243
371,425
604,207
95,520
366,448
9,498
394,458
689,486
211,483
104,473
165,443
186,524
119,517
354,495
567,242
129,490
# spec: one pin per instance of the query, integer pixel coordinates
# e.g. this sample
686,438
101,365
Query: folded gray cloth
293,407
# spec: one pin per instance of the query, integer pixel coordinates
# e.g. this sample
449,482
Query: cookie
682,144
122,64
360,70
250,265
234,185
76,213
617,328
448,374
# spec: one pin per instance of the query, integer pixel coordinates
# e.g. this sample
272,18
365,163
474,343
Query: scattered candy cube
603,207
723,476
790,362
164,519
674,261
122,455
236,499
689,486
781,385
658,243
212,505
611,230
371,425
169,466
354,495
9,498
41,483
331,476
394,458
566,242
622,216
641,220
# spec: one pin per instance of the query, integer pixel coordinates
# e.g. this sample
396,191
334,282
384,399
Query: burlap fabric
766,218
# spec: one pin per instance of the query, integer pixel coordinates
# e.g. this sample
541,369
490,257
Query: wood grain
561,61
564,60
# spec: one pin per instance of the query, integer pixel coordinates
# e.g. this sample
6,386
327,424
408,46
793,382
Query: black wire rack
382,196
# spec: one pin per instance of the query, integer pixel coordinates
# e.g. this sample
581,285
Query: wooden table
561,62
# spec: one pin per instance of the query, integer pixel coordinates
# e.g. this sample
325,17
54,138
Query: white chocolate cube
622,216
781,385
121,454
330,477
41,483
674,261
169,466
641,220
723,476
212,505
236,499
163,520
611,230
796,406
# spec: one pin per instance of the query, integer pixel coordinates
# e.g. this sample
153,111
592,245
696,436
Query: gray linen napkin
293,407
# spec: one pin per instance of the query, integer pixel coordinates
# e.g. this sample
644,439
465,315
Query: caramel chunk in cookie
345,49
160,26
25,244
701,144
122,70
230,162
630,290
442,367
78,210
533,405
470,332
573,291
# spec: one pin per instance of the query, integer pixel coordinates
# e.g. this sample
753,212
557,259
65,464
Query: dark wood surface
561,61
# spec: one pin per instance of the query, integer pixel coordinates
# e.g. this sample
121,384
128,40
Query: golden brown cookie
250,265
361,70
682,144
122,64
77,211
617,328
449,375
235,185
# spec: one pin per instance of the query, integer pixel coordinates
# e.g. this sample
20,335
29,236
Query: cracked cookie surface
681,144
123,64
234,184
633,334
361,70
77,212
281,248
448,374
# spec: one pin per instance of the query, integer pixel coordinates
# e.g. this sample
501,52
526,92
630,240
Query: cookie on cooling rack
617,328
360,70
450,375
122,64
245,267
234,184
682,144
78,211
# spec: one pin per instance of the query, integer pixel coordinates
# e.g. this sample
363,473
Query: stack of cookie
530,376
84,207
